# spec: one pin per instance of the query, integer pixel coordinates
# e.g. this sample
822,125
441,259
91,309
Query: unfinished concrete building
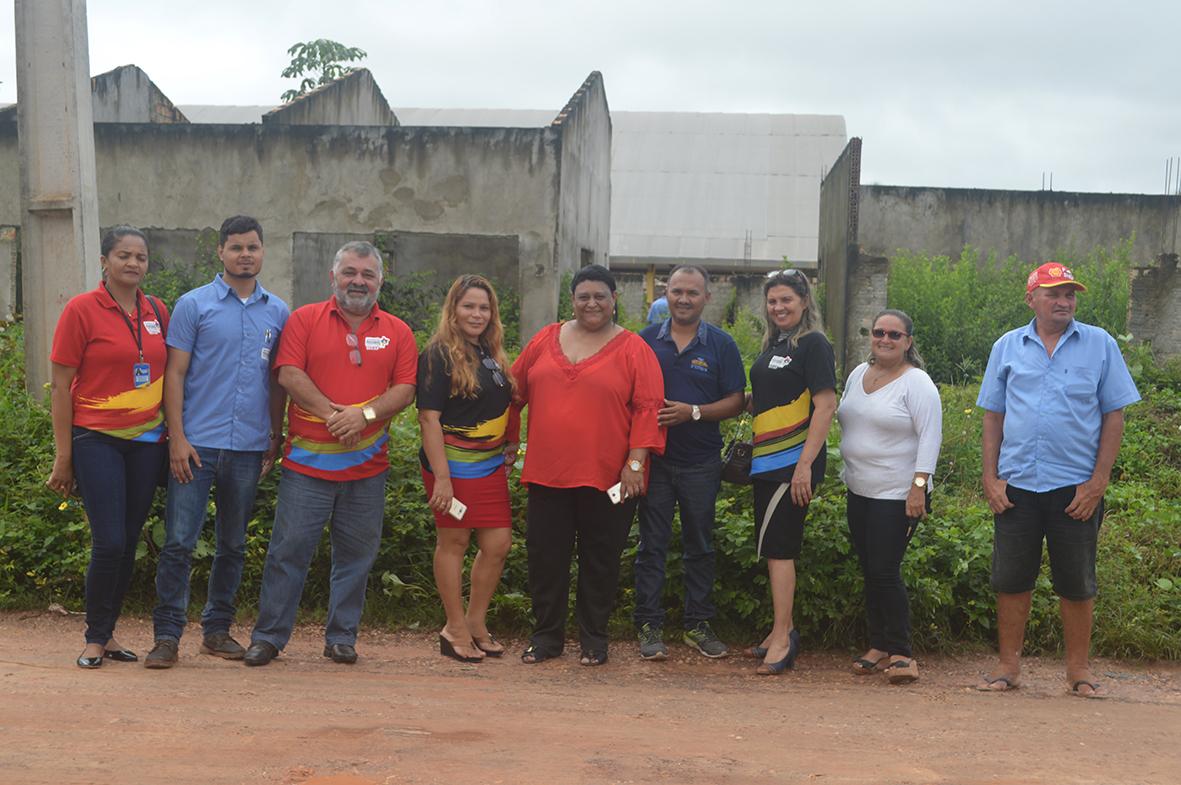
522,205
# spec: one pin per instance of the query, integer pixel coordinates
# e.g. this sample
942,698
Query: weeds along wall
44,544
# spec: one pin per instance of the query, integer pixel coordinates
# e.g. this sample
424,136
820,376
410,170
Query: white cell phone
615,493
457,510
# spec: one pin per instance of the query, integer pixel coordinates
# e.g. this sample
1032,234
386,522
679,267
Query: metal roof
684,185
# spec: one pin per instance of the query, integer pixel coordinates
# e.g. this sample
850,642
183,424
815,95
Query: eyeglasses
354,352
878,332
787,275
494,366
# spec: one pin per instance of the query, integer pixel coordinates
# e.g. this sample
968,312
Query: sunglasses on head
894,335
789,273
494,366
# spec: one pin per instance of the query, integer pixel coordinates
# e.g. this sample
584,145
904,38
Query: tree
323,57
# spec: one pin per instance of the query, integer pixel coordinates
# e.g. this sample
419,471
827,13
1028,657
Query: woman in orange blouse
108,428
593,390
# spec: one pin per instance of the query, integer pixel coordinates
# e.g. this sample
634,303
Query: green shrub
960,307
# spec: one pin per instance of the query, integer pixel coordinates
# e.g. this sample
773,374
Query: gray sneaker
651,643
702,638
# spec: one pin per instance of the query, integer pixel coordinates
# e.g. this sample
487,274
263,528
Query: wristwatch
695,412
370,415
635,465
920,482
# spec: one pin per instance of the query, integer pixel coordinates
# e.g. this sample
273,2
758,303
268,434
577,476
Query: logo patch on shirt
699,364
153,327
778,362
375,342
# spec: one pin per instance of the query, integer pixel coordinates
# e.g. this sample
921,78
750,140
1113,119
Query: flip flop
534,655
1094,694
864,667
484,647
986,685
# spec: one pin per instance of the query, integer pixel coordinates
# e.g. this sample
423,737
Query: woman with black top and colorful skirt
464,392
108,426
793,398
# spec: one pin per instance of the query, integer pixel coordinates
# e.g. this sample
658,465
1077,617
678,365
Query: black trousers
880,532
560,520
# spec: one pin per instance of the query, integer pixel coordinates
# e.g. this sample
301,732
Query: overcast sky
965,94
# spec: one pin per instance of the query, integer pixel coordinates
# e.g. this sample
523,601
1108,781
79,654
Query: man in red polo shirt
349,367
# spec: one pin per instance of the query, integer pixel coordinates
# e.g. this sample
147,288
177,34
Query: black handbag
737,456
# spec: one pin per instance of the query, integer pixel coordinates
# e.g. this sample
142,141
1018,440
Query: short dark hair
593,272
117,233
690,268
238,224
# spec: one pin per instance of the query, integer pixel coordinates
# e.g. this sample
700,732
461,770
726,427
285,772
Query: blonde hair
810,321
461,362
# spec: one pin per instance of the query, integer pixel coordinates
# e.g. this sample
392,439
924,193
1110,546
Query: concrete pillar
59,200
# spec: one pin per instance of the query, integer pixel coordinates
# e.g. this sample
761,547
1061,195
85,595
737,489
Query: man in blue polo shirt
224,415
704,382
1053,394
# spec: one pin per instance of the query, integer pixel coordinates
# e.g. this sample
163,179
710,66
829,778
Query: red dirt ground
403,714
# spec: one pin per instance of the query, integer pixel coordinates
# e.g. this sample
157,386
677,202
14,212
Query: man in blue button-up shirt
1053,394
225,414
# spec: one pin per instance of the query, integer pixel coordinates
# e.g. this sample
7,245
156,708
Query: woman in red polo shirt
593,390
464,394
108,429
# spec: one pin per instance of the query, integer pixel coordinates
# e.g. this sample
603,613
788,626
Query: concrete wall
1154,306
127,95
343,180
354,99
9,255
866,288
584,193
838,250
1034,225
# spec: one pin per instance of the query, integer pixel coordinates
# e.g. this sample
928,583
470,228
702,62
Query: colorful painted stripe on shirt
475,451
332,456
779,435
134,404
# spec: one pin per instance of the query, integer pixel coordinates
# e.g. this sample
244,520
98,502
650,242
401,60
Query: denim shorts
1017,544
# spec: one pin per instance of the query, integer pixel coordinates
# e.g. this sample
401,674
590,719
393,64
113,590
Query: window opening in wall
588,257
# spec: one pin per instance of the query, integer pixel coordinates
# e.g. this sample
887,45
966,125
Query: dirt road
403,714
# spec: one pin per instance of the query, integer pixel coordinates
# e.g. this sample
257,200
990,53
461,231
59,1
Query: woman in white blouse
891,428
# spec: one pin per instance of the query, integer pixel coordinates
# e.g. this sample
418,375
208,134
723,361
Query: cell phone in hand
615,493
457,510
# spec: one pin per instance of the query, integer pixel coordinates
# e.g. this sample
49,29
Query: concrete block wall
1154,306
866,298
9,253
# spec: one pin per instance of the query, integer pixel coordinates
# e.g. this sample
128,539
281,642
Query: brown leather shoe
220,644
162,655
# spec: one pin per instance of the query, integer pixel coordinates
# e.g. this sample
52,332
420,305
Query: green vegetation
318,63
44,547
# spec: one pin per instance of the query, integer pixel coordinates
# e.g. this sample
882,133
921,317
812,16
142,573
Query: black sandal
592,658
533,655
485,647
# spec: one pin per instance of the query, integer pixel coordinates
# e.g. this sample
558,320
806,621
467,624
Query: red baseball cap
1052,274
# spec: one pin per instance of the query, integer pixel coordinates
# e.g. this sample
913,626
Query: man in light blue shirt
225,417
1053,394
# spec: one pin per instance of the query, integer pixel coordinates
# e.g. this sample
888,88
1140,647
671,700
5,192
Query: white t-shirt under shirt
889,435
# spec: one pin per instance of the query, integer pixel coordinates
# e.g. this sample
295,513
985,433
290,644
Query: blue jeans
235,474
354,509
117,479
694,489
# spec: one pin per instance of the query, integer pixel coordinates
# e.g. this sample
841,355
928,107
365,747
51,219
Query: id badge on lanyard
142,374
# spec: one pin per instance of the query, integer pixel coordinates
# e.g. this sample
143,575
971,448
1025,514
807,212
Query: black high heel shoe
90,663
788,662
447,649
120,655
